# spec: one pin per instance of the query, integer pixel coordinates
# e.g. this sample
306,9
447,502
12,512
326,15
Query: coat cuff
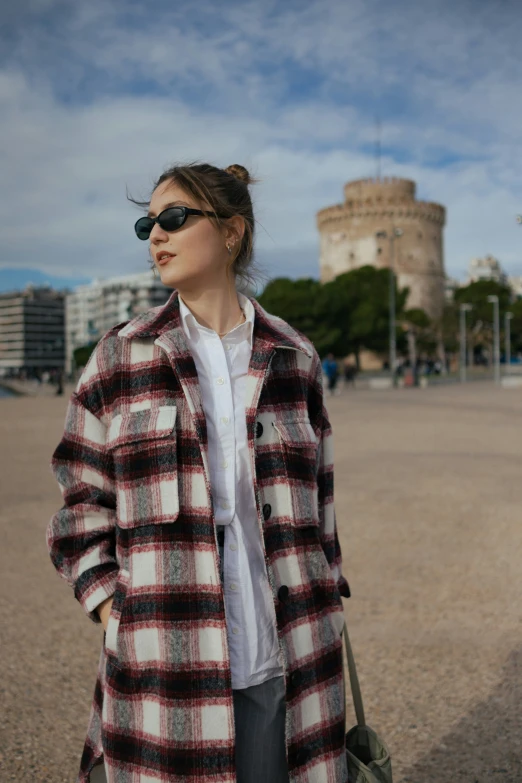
94,593
343,587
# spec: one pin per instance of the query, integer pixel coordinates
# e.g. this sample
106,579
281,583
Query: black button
259,429
303,754
282,593
296,678
267,510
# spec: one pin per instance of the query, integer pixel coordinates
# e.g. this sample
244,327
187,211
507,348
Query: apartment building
487,268
32,330
94,308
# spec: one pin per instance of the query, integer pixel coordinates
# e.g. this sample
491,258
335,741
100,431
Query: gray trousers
259,715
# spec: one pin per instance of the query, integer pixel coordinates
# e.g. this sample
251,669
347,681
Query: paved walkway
428,498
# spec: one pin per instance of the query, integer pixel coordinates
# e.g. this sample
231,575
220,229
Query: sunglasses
170,219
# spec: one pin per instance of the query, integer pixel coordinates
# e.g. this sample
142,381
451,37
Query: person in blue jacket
331,371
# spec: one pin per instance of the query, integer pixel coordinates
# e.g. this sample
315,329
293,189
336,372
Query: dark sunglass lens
172,218
143,227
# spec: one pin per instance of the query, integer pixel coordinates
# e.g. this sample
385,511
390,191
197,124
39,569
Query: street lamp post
507,337
396,233
464,308
496,337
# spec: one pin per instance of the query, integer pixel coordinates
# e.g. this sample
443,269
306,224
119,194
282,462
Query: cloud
103,96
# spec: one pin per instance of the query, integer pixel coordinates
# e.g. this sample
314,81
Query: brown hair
226,192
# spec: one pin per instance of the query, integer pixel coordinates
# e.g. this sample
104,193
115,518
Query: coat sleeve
325,478
81,535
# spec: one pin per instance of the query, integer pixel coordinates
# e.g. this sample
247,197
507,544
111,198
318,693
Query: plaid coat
137,523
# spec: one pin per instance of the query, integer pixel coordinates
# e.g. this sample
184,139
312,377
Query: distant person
198,524
59,383
417,371
331,370
350,372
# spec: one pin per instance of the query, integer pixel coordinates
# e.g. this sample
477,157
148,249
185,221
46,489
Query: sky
98,98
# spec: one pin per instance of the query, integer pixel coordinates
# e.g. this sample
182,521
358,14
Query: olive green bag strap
367,757
354,680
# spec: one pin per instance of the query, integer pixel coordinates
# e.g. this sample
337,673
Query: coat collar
268,329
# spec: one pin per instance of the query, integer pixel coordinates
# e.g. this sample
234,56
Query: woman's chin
170,279
177,278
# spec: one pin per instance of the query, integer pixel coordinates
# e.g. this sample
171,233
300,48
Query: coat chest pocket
300,453
143,448
113,622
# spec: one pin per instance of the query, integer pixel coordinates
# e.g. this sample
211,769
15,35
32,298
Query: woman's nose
158,234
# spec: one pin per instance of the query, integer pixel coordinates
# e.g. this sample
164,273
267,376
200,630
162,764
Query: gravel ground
428,498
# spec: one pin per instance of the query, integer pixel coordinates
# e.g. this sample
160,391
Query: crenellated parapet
384,189
419,210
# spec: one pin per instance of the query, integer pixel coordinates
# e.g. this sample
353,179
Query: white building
487,268
515,283
92,309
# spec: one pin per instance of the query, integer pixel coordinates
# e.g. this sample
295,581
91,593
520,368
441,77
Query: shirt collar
192,327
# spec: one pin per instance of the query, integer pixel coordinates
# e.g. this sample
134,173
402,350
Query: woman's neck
217,309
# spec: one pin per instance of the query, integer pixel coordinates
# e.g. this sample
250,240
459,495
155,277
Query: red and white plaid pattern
137,524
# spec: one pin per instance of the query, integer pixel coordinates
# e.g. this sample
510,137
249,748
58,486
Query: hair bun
239,172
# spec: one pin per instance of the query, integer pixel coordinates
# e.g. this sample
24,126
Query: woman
198,523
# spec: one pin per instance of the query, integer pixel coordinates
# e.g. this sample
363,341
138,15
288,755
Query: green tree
449,327
82,354
418,335
297,302
292,300
345,315
418,325
357,304
480,318
477,294
417,318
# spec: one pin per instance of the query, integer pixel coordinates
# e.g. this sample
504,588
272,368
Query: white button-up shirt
222,366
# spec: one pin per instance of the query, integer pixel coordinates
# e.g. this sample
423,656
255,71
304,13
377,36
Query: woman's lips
165,260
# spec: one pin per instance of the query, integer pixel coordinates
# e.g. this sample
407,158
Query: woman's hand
104,610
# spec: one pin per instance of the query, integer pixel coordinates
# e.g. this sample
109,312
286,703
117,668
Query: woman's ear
234,230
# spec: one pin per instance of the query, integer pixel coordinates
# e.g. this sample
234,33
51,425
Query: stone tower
348,238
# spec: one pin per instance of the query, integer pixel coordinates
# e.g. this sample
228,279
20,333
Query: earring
154,271
229,248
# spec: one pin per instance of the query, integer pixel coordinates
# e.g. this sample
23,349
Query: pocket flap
297,433
147,424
